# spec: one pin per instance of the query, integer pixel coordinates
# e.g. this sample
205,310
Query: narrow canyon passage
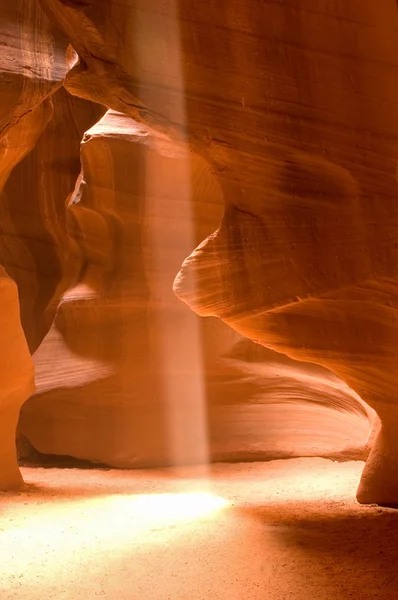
198,266
283,530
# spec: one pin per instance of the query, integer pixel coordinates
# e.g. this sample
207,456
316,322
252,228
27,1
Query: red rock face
305,259
285,115
32,66
36,250
128,375
17,381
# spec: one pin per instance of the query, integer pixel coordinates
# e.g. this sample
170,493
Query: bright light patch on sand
166,509
75,532
76,535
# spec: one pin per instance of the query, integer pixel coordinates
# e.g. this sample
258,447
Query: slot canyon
198,299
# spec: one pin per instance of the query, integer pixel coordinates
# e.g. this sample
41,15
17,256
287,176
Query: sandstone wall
271,127
128,375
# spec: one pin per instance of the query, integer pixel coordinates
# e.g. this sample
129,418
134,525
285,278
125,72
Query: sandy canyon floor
283,530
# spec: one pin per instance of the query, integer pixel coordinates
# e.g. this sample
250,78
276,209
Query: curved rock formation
128,375
292,108
305,258
32,66
35,248
17,383
33,62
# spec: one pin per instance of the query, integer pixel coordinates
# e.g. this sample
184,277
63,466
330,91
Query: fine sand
283,530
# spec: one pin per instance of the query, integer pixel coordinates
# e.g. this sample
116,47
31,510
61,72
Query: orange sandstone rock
128,375
32,66
292,107
17,383
305,258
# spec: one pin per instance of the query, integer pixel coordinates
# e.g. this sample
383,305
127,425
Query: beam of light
168,237
63,537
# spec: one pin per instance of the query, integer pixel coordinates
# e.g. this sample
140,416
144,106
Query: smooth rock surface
284,113
39,152
33,61
32,66
293,107
35,244
128,375
305,259
17,380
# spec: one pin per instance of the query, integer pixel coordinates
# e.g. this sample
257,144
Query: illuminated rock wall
272,124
